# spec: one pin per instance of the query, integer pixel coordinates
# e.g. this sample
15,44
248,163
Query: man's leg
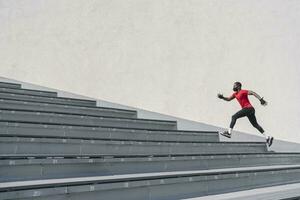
242,113
239,114
254,123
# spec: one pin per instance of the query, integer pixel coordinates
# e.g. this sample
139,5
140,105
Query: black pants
250,113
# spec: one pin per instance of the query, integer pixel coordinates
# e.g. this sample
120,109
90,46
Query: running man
247,110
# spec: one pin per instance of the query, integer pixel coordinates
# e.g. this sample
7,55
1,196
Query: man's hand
263,102
220,96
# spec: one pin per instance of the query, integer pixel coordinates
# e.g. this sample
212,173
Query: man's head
237,86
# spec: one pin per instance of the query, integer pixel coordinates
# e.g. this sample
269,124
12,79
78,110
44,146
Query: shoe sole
225,135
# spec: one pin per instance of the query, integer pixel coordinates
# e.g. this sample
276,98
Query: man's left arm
261,99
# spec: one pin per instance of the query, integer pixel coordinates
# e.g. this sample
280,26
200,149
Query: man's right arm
220,96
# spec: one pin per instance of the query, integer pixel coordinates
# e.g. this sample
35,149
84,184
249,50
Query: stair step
9,85
47,99
112,133
65,109
31,167
24,145
73,119
171,185
7,92
280,192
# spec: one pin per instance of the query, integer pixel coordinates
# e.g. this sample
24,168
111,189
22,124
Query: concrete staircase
64,148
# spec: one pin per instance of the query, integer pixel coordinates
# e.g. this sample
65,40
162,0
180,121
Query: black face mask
235,89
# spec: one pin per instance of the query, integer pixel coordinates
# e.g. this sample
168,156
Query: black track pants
250,113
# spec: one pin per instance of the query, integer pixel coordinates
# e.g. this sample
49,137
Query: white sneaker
226,134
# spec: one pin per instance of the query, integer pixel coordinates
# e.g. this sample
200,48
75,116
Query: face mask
235,89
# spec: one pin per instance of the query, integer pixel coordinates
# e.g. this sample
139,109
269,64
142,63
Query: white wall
169,56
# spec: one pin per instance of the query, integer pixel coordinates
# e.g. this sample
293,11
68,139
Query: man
247,110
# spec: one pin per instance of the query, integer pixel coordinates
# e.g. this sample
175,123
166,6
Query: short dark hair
239,84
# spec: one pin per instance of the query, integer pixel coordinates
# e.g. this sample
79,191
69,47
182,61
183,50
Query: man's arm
220,96
261,99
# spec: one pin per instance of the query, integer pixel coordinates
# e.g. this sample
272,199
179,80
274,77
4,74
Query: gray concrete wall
168,56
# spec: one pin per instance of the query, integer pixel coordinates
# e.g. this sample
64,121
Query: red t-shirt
242,98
